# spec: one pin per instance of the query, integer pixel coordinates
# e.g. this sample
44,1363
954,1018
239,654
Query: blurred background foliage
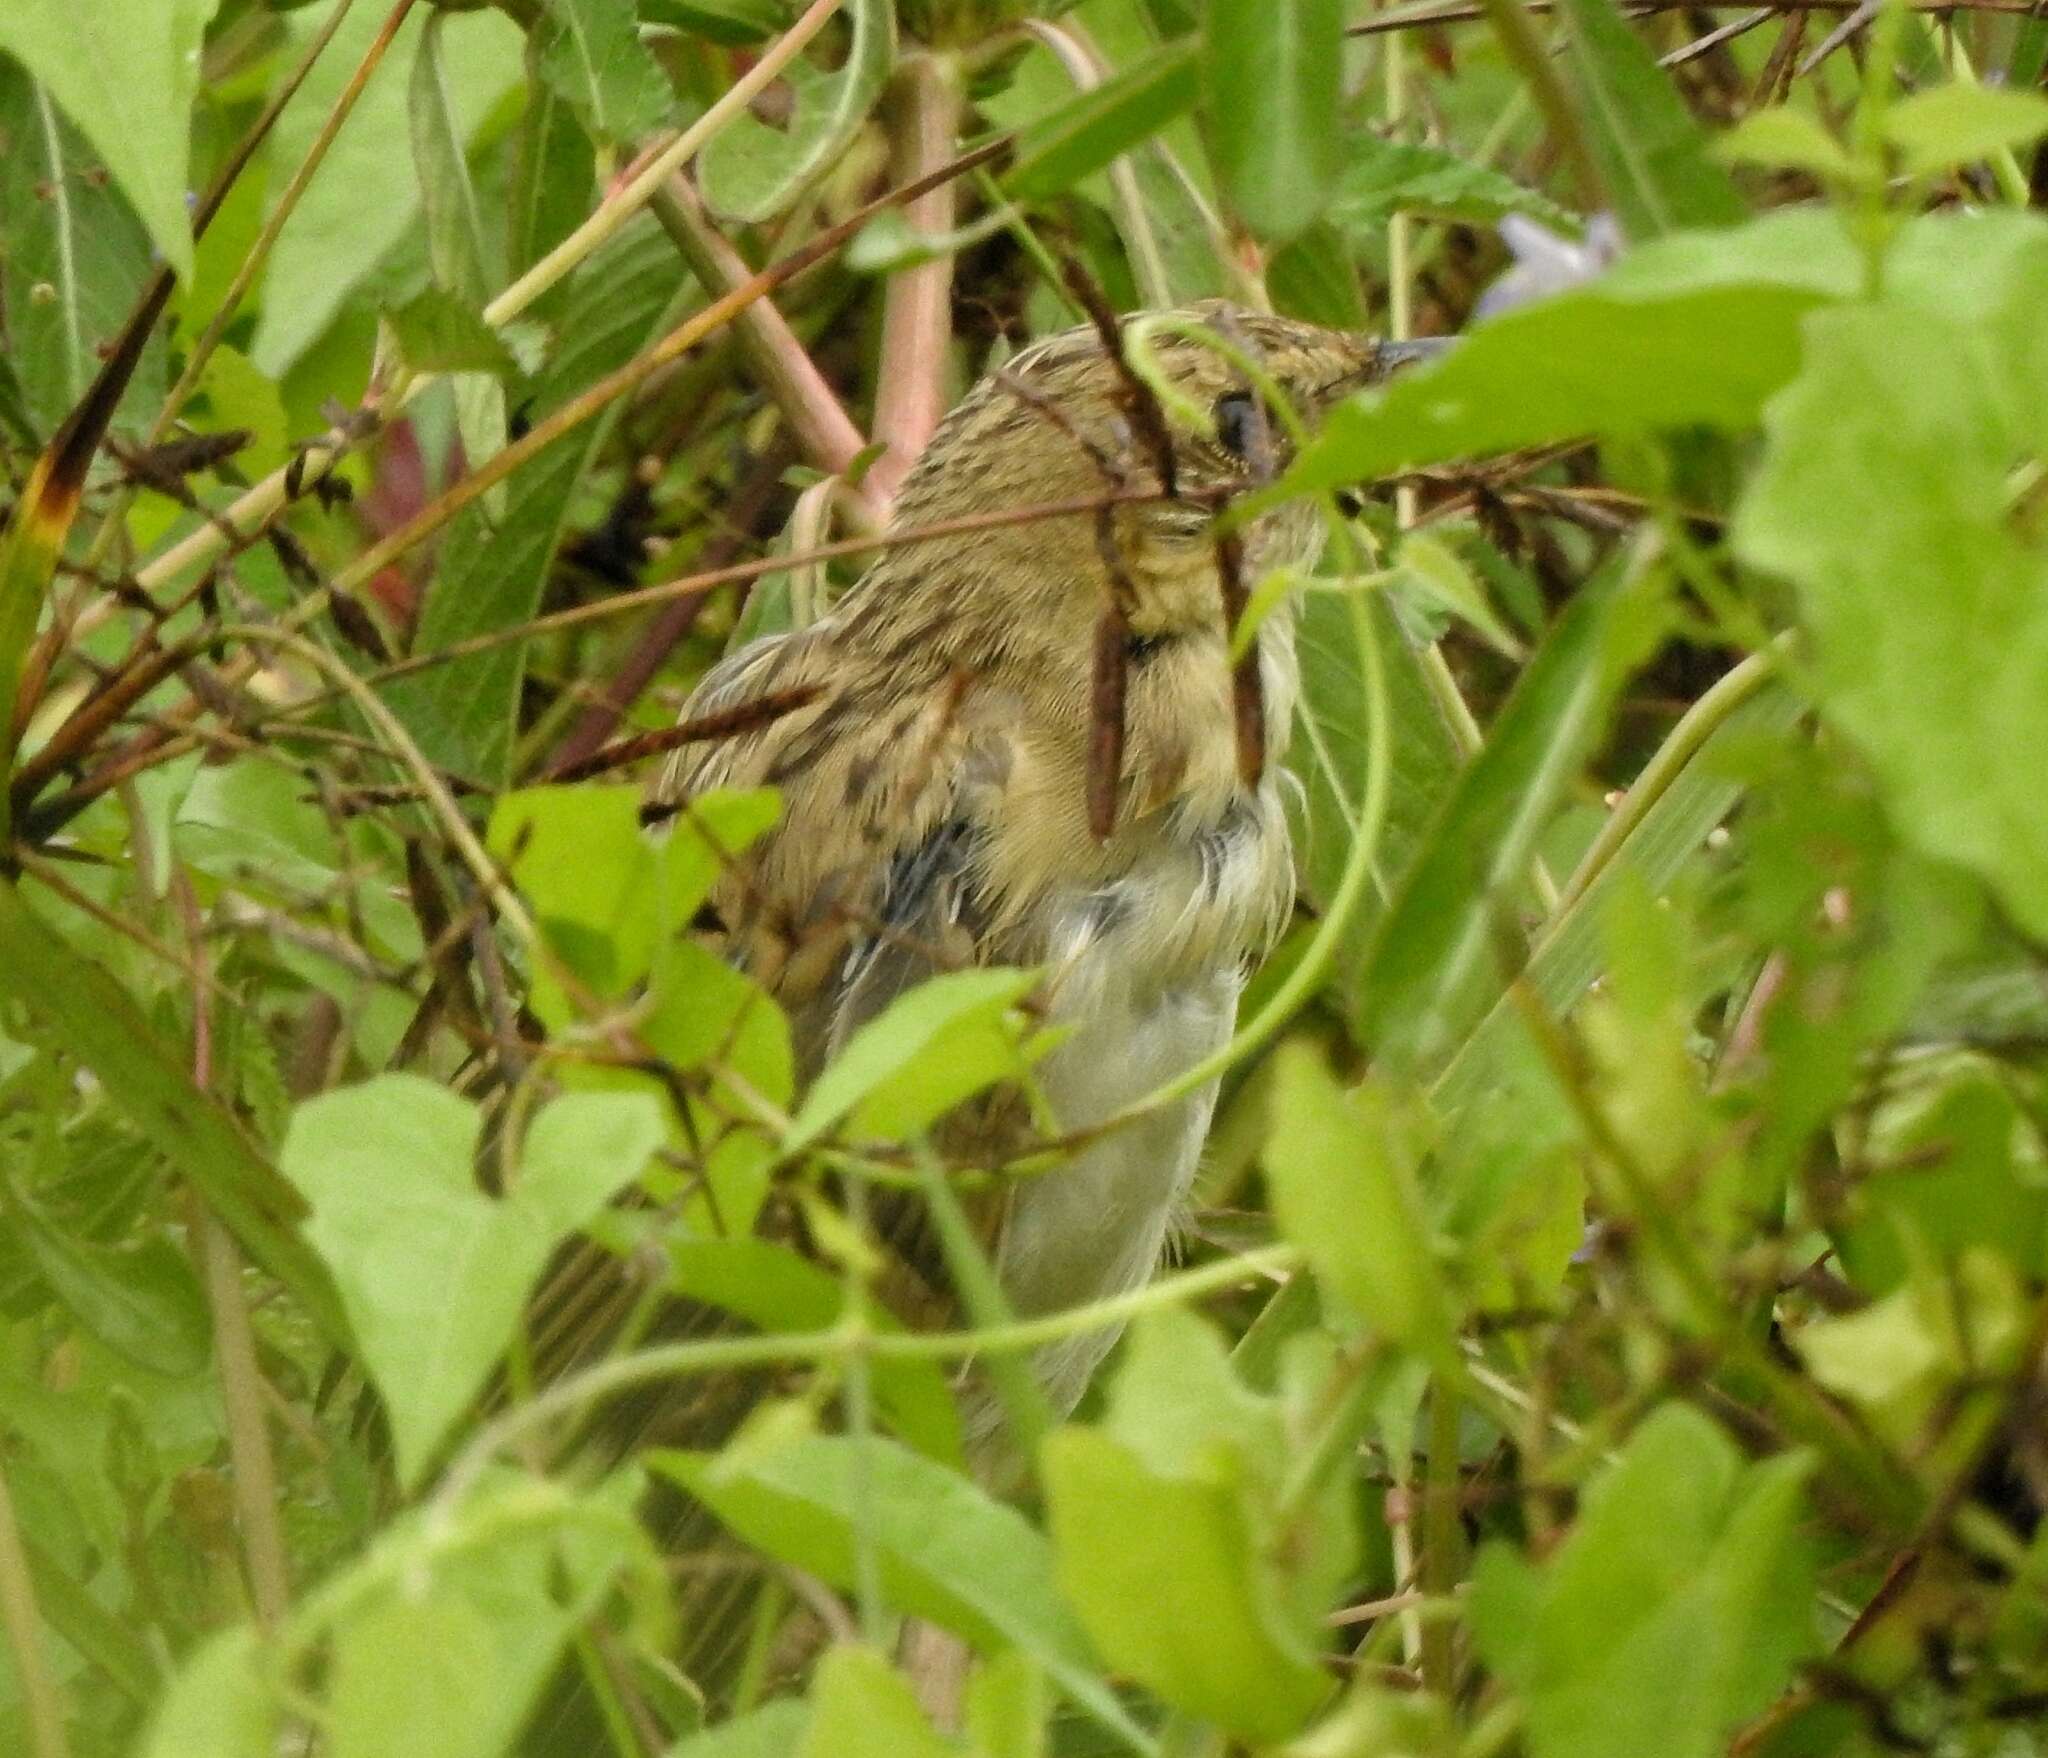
1614,1317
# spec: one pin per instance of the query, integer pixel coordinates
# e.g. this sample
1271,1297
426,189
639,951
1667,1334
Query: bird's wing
873,879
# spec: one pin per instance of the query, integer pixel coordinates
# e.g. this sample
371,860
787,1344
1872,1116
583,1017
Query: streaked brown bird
952,795
937,791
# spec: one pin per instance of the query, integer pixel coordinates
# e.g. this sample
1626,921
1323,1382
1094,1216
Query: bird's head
1168,432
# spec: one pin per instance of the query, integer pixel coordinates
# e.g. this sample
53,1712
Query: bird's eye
1242,427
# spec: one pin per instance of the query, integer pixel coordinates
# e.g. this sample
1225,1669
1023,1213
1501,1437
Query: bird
938,808
1030,745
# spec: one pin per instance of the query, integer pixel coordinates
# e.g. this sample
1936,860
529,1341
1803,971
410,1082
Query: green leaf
1081,136
591,54
862,1707
1567,957
1328,753
454,1619
1901,1359
143,1301
1434,965
77,1009
943,1548
1652,153
775,1288
775,1730
437,332
127,76
1674,1611
456,246
605,895
220,1705
365,194
750,171
492,570
1166,1526
72,256
920,1056
1439,577
1884,496
1954,1162
1342,1173
1386,177
434,1273
1700,328
1959,124
1271,79
1785,136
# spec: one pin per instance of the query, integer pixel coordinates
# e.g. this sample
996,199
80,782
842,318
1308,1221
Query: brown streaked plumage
936,793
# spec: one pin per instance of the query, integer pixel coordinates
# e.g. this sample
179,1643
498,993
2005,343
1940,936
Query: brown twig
672,621
701,730
827,436
1106,718
922,113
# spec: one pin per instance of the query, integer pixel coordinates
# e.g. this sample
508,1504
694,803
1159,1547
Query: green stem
1442,1538
1698,724
715,1354
24,1627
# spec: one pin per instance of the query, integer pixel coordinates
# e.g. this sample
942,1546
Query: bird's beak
1390,357
1378,361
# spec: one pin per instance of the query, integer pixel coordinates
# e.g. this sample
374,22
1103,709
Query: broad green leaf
1272,73
1885,497
1785,136
1440,579
862,1707
1700,328
1648,146
220,1705
457,248
1434,965
1006,1709
492,570
1081,136
1312,277
943,1548
1568,953
1957,124
702,842
1166,1527
1954,1161
553,187
1900,1359
412,1672
143,1301
454,1620
579,856
1387,177
436,332
127,76
921,1055
774,1288
592,56
446,317
775,1730
750,171
366,193
433,1272
77,1009
1328,753
1674,1611
1341,1171
72,258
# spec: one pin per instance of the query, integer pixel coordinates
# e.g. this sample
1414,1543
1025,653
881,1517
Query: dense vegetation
1614,1318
